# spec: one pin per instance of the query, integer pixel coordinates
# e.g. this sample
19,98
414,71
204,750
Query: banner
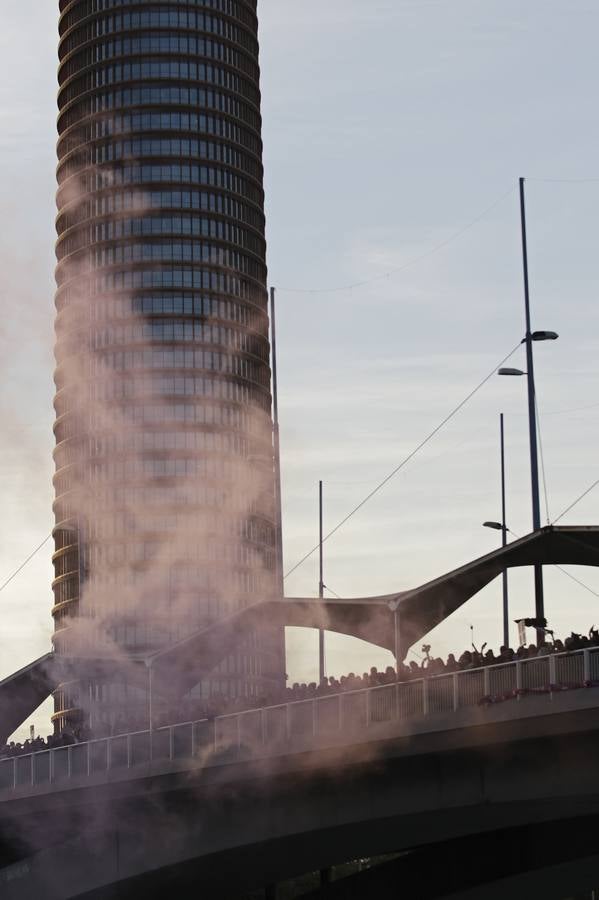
521,634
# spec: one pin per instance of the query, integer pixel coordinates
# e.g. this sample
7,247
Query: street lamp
529,339
510,372
501,526
321,647
544,336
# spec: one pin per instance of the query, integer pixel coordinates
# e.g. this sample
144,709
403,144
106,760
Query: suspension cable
561,568
576,502
24,563
411,262
542,460
405,461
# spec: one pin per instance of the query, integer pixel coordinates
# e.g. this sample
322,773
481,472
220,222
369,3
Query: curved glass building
165,496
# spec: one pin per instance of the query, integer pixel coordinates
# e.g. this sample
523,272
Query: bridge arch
408,615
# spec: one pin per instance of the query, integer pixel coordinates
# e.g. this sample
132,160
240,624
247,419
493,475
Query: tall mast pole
321,659
532,417
506,621
277,451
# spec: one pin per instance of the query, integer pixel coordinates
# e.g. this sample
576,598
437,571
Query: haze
389,128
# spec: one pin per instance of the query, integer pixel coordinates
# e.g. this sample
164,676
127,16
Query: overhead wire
405,461
356,509
557,412
576,502
572,409
563,571
577,580
564,180
411,262
331,591
542,460
396,270
24,563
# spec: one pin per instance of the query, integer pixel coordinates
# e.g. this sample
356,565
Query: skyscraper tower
165,512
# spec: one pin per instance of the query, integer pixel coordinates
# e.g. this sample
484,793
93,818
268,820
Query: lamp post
276,451
321,647
394,608
502,526
532,417
148,662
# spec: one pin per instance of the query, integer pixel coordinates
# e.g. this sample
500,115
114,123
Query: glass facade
164,487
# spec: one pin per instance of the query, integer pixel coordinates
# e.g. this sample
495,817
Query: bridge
491,770
485,777
394,622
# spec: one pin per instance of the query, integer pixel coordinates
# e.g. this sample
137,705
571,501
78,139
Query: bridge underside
501,808
373,619
554,860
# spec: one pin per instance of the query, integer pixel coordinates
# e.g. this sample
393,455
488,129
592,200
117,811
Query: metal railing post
389,704
586,662
526,673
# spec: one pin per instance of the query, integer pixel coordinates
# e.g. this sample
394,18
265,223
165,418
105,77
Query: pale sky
390,126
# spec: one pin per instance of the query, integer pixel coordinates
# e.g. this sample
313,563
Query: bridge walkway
418,705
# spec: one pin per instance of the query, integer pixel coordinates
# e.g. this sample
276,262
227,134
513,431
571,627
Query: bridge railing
256,731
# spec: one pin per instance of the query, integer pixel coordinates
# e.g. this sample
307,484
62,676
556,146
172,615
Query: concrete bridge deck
417,705
236,817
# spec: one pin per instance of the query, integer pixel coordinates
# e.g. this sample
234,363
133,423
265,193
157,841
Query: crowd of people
429,666
37,744
195,709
